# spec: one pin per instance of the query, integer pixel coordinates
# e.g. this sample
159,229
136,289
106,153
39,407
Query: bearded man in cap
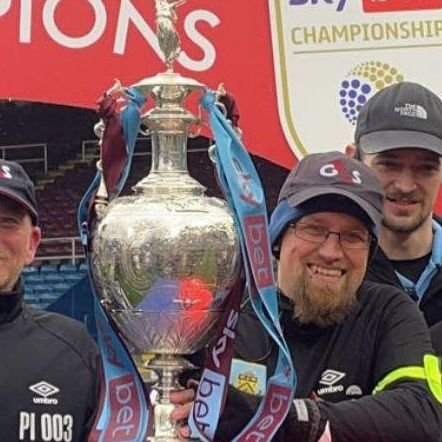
48,369
399,135
365,367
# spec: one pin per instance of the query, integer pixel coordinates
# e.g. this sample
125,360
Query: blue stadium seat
30,278
68,268
48,268
42,288
53,277
73,278
30,270
61,286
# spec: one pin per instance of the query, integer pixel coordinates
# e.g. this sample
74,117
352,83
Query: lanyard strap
242,189
122,392
431,269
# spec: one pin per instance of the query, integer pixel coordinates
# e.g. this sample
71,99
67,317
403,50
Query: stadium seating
46,283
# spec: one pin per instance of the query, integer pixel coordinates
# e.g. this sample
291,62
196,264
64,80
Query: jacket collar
11,303
383,268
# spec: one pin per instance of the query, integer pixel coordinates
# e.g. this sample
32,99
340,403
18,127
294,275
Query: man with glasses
365,367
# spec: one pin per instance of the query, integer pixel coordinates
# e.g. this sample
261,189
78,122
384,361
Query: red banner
400,5
66,52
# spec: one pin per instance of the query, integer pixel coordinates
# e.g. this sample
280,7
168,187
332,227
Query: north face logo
44,390
411,110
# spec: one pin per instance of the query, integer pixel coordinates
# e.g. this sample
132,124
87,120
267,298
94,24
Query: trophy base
164,372
165,430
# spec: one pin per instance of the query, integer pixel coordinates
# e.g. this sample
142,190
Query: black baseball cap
16,185
332,177
403,115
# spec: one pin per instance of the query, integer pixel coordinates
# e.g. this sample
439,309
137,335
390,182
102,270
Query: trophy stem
168,125
169,152
168,368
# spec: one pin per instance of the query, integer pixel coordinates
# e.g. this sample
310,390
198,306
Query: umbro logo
44,390
330,378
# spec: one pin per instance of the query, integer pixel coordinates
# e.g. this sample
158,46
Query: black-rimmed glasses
349,239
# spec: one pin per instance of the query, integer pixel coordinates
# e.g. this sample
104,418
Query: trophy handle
197,124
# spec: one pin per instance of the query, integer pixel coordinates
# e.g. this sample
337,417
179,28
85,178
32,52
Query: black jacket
381,270
347,361
48,375
436,337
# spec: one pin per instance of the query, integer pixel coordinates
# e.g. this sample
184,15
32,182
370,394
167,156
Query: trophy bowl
164,265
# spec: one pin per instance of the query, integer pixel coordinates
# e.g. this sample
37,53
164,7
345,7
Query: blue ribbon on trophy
121,381
241,186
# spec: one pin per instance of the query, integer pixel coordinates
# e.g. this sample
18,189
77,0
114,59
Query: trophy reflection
164,259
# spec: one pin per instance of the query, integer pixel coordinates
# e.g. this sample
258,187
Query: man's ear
351,151
34,241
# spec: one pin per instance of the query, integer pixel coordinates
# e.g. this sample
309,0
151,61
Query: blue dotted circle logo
361,83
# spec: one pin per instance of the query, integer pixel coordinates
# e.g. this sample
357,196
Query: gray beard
323,309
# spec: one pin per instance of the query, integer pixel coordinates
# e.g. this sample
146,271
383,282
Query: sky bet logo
400,5
338,4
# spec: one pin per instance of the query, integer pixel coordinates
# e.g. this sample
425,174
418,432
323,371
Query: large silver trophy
165,258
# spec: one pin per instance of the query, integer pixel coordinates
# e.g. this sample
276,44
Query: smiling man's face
322,279
411,179
19,240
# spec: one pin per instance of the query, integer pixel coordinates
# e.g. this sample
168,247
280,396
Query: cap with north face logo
399,116
16,185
